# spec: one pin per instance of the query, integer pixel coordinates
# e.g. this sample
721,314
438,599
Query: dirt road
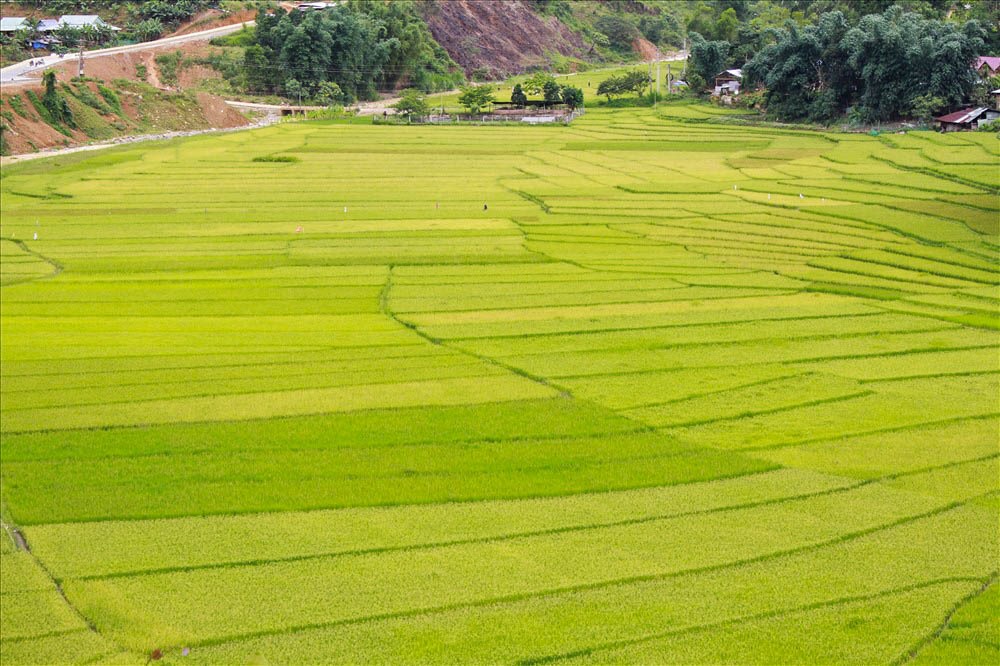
20,73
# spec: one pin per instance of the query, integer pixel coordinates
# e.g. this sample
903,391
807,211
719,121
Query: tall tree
475,98
517,96
707,58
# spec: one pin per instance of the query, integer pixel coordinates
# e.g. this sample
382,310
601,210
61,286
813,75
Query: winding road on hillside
20,73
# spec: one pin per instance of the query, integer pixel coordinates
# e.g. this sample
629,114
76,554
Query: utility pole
684,74
79,71
657,101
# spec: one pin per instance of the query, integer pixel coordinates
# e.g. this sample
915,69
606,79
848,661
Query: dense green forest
345,53
874,60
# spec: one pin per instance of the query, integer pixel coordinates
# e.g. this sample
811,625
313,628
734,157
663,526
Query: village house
85,21
11,24
966,119
988,66
728,82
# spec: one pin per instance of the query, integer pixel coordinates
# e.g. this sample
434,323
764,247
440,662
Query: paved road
15,74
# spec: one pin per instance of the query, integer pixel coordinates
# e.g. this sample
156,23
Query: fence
533,118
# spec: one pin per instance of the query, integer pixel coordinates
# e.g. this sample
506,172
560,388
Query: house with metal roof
966,119
11,23
728,82
987,66
84,21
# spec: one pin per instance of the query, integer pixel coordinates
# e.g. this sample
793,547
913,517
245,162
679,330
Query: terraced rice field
683,393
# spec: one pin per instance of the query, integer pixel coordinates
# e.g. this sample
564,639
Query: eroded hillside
500,37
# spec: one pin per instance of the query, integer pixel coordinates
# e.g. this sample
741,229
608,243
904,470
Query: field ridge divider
912,653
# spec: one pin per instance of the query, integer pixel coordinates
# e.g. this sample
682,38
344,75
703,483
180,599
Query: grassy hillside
643,389
104,110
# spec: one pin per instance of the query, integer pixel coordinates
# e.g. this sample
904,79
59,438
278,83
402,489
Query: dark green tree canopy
361,46
572,97
517,96
707,58
887,66
551,92
412,102
476,98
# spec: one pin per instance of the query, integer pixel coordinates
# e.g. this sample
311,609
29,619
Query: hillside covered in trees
873,60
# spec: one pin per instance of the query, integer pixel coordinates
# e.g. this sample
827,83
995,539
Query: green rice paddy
645,389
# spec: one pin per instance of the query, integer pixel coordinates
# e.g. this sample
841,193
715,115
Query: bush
572,97
87,96
17,104
276,158
111,97
243,38
475,98
517,96
44,113
329,93
619,31
551,92
170,65
412,103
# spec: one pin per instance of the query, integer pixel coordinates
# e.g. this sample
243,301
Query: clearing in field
684,393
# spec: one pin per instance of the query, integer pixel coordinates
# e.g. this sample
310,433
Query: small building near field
728,82
84,21
987,66
966,119
9,24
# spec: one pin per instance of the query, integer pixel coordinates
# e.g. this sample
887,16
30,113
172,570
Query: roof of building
48,25
80,20
992,61
735,73
963,116
11,23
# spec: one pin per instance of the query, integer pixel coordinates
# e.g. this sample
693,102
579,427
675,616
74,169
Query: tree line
345,53
876,67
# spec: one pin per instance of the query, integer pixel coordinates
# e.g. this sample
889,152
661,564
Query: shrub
572,97
244,38
276,158
87,96
475,98
17,104
412,103
169,64
111,97
517,96
329,93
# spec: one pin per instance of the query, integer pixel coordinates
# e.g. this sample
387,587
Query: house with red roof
988,66
966,119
